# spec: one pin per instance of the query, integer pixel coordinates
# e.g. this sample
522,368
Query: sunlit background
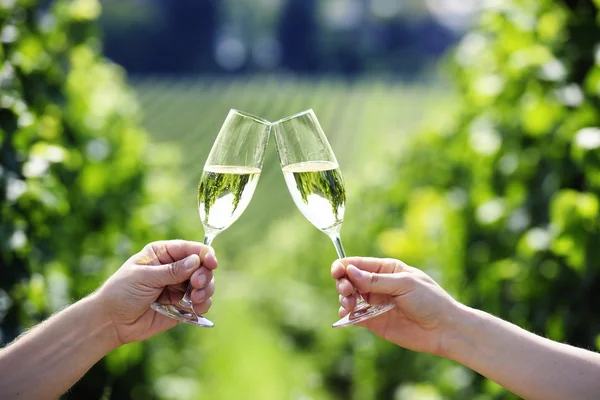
466,131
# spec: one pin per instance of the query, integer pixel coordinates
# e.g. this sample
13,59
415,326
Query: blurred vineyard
361,120
494,191
272,315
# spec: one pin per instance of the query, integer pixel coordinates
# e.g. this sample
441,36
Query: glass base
182,314
363,312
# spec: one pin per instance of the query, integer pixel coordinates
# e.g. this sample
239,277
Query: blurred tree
502,202
73,184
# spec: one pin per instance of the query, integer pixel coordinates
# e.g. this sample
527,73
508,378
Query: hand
423,312
158,273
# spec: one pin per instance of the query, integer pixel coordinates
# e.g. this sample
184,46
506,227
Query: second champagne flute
226,187
315,182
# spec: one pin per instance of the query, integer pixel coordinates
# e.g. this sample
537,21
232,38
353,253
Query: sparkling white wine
224,192
318,190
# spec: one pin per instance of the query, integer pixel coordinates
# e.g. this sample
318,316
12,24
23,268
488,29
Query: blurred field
364,122
497,197
273,291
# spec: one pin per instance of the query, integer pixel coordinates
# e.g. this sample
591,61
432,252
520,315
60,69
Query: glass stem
186,301
339,248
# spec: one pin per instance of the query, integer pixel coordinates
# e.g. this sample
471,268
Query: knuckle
374,279
407,281
401,266
174,269
162,248
147,255
147,248
152,245
388,265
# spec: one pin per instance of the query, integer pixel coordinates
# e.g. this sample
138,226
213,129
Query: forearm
526,364
48,360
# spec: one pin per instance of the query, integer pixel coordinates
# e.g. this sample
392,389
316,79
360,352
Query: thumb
393,284
176,272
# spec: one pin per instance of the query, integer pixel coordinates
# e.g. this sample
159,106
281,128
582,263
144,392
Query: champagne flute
315,182
226,187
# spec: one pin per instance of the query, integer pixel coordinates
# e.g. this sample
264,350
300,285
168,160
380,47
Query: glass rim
301,113
251,116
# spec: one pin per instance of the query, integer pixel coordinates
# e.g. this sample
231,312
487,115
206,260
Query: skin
59,351
427,319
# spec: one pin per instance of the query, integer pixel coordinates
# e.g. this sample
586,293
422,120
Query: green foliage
497,199
503,202
73,185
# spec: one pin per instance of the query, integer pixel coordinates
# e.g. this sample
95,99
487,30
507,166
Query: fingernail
201,295
191,261
201,279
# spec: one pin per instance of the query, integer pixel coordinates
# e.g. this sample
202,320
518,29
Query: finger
168,297
378,265
200,295
394,284
348,302
171,294
377,298
203,307
338,270
168,251
170,274
343,312
210,289
210,260
344,287
178,288
201,277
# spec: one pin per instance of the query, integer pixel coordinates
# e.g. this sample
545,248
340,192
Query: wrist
458,340
102,322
